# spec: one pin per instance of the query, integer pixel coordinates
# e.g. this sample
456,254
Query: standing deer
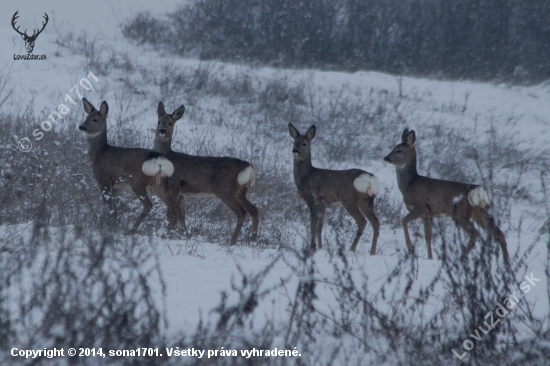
226,178
427,198
29,40
115,168
354,189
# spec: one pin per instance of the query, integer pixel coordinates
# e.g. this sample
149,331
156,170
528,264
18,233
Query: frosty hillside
71,277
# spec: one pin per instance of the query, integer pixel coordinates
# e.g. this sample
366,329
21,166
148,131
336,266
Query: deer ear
311,132
411,138
88,107
178,113
293,131
104,109
404,135
160,109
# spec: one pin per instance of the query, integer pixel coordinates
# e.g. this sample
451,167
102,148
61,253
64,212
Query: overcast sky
79,15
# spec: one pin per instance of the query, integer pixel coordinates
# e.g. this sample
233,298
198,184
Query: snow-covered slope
197,270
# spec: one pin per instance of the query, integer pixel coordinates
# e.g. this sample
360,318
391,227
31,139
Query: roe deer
320,188
427,198
226,178
115,168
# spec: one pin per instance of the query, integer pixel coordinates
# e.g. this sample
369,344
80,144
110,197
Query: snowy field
383,309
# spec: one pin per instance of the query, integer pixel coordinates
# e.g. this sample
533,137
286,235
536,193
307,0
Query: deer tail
157,166
480,197
247,177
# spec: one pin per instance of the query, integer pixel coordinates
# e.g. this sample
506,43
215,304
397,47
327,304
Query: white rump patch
457,199
367,183
247,175
158,165
480,196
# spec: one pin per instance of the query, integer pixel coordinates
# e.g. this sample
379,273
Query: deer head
404,153
166,122
29,40
96,122
302,143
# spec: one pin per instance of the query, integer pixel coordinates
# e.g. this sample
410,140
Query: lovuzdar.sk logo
29,40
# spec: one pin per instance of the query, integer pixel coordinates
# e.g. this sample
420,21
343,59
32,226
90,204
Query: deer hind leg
361,223
163,191
140,190
367,209
483,219
239,210
466,225
428,234
252,211
181,211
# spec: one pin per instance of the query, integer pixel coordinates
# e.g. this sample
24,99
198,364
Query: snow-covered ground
196,272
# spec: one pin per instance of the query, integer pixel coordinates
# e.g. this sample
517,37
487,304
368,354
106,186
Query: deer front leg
428,235
413,215
314,223
320,219
107,196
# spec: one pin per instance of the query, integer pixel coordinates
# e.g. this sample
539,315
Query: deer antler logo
29,40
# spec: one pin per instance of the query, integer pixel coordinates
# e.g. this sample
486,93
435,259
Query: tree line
505,40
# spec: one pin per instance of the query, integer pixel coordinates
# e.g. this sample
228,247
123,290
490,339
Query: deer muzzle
162,132
295,151
82,128
387,158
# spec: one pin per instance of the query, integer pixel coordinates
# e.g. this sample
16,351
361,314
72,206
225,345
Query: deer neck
302,168
406,174
163,147
96,144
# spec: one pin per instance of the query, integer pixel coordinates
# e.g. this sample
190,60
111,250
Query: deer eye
94,120
399,151
170,124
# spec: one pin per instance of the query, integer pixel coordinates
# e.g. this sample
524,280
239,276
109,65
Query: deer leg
361,223
314,223
367,209
113,203
411,216
483,219
140,191
253,212
466,225
164,192
181,211
239,210
107,196
320,220
428,234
